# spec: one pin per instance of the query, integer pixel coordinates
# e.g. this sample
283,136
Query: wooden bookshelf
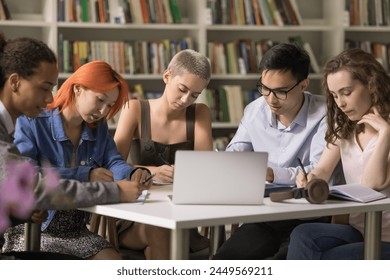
324,24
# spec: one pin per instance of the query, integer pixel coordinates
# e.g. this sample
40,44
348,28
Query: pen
302,167
94,162
149,178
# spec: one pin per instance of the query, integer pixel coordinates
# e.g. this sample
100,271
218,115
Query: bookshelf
325,26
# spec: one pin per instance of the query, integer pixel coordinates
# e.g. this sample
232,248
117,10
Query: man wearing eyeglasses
288,123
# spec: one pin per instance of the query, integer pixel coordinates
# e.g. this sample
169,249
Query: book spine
145,11
7,12
175,10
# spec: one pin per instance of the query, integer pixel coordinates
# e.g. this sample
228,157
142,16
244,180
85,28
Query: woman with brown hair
358,101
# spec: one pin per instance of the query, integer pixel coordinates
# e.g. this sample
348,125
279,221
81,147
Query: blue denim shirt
44,140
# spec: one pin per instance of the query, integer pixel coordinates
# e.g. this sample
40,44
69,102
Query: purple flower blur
18,187
17,197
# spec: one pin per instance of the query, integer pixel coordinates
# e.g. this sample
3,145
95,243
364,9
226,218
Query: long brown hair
97,76
366,69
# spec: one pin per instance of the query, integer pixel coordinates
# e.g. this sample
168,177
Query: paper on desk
159,183
141,199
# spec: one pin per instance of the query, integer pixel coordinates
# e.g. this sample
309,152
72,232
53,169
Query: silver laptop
206,177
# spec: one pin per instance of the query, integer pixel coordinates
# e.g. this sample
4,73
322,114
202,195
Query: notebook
355,192
208,177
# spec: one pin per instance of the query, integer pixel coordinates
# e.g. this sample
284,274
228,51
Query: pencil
302,167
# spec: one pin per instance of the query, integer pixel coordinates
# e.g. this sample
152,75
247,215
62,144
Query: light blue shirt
260,131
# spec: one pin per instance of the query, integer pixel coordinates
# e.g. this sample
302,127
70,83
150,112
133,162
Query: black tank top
144,151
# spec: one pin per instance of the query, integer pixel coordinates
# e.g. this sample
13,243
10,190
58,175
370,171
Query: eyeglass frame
260,84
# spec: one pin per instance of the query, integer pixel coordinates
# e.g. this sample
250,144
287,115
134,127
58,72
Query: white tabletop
159,210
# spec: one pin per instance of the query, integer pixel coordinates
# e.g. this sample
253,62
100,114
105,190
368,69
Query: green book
84,10
176,15
224,108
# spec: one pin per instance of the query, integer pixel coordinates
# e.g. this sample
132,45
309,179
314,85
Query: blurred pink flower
17,197
17,191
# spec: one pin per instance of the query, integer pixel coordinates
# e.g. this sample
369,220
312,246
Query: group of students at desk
69,131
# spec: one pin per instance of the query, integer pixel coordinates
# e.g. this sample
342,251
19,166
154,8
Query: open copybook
355,192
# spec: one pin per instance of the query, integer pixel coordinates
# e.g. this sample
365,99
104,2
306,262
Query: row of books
368,12
136,92
119,11
237,57
227,102
381,51
243,56
4,11
126,57
255,12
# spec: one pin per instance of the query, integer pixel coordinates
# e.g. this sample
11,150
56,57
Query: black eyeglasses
278,93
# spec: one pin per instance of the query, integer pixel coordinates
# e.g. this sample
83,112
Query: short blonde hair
190,61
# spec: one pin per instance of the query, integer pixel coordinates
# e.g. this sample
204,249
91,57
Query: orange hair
97,76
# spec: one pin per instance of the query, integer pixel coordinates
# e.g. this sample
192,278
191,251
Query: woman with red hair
71,134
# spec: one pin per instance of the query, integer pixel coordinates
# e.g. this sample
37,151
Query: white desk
158,210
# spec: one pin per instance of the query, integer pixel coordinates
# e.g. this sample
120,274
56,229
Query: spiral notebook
208,177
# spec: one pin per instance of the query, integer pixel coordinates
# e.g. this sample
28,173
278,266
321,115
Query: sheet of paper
141,199
158,183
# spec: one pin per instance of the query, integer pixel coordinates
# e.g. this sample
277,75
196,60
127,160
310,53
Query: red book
145,11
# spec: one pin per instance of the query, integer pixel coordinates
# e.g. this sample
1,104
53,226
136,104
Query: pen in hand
148,179
95,162
302,167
